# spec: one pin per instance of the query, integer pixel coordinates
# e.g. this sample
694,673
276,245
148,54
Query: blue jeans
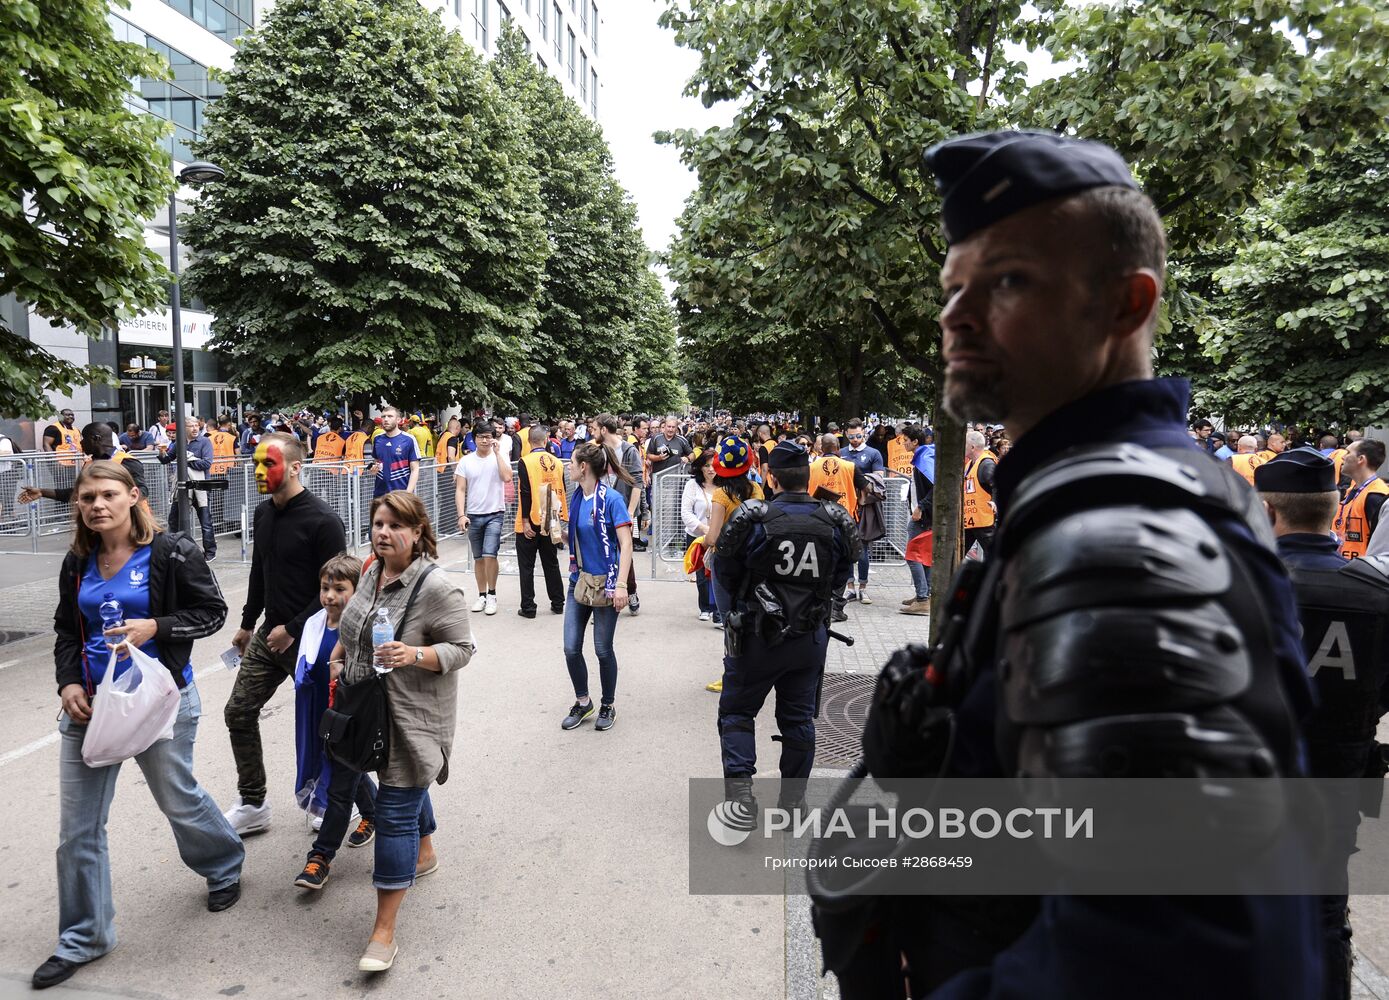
921,575
863,564
206,842
485,534
576,618
403,816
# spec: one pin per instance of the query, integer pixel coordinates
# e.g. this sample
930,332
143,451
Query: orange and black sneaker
363,835
315,873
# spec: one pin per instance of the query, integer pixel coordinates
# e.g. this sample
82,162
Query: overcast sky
646,72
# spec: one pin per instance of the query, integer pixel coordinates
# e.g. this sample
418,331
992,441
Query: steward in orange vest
331,446
899,454
223,448
835,476
448,449
352,451
537,470
1364,501
977,512
70,443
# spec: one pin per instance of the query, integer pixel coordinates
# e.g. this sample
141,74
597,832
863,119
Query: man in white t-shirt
481,504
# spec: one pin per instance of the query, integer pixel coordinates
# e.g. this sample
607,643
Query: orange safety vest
977,512
71,443
1245,465
330,448
524,435
837,476
1337,457
224,447
899,455
1351,523
352,451
1266,455
441,453
542,468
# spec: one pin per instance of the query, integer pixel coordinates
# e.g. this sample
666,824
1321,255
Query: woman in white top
695,504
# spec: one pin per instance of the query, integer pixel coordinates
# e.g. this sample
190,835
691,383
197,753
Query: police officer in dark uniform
1132,618
781,562
1343,607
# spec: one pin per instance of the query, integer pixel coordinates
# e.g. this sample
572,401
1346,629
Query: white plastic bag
132,712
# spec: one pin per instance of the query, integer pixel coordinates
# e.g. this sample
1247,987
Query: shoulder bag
592,588
356,728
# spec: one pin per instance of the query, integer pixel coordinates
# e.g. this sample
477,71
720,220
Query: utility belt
762,613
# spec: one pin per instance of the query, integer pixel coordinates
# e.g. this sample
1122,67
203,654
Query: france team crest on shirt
136,577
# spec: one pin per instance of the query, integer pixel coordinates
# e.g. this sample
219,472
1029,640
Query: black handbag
356,730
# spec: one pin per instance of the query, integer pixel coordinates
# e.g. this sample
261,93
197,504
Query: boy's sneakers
863,597
578,714
480,604
491,606
315,873
363,835
247,819
607,715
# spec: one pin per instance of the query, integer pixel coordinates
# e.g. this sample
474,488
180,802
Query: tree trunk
948,537
851,399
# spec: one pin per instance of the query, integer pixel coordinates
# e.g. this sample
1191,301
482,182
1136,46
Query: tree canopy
380,228
81,171
590,293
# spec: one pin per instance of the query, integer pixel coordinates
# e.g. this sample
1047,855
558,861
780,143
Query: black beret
992,175
788,455
1300,470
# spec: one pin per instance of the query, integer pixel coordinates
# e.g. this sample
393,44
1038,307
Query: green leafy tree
379,232
814,205
1303,331
590,290
80,172
650,348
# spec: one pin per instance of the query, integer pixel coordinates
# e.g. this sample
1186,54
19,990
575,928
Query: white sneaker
704,616
491,607
315,823
480,603
246,819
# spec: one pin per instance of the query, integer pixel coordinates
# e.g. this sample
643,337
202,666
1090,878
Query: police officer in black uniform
781,561
1343,607
1132,619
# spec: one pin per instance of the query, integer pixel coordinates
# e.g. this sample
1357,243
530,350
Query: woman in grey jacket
432,642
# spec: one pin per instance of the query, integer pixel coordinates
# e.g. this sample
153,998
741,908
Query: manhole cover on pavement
844,701
8,635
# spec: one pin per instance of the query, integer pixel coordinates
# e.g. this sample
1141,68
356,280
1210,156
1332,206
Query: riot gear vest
1345,628
794,568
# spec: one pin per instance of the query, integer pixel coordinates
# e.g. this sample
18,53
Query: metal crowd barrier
344,486
668,531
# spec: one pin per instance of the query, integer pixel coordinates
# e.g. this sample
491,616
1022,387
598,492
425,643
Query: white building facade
196,36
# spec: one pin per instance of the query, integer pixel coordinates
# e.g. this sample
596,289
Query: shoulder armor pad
1373,570
1121,474
735,533
752,509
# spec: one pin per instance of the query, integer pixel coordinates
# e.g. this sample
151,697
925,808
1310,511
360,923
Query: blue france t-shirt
590,542
130,586
393,455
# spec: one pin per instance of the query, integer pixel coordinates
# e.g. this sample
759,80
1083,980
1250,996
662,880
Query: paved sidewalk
564,856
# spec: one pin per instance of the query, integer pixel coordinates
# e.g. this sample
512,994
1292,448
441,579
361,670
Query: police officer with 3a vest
781,562
1344,608
1132,619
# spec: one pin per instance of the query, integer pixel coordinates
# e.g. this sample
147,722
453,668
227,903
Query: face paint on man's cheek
270,467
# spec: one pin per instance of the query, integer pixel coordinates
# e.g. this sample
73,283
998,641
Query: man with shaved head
295,534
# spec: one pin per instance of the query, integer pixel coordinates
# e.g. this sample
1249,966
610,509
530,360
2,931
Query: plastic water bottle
112,616
382,632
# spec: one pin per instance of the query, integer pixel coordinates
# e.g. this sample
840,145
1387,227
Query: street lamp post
197,172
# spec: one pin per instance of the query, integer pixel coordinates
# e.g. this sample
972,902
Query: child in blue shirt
326,789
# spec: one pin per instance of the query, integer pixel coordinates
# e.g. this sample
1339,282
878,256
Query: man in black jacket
294,535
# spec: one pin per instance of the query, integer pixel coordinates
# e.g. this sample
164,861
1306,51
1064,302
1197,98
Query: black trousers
526,550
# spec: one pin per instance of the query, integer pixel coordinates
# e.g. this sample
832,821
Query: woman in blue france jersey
600,546
126,581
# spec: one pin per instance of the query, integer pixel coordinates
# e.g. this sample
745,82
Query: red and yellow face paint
270,467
